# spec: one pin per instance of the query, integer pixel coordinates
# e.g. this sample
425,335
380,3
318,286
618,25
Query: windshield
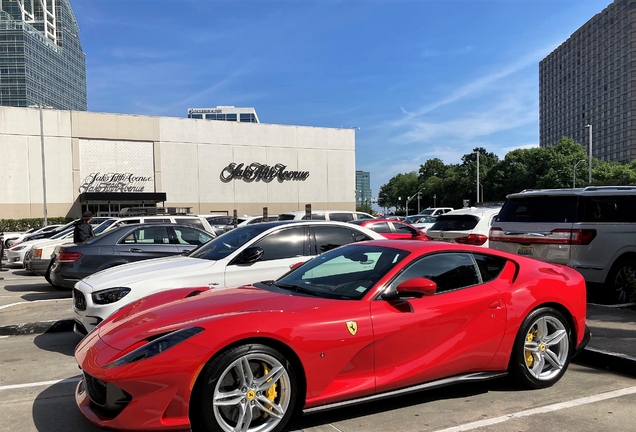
62,234
345,273
427,212
425,219
224,245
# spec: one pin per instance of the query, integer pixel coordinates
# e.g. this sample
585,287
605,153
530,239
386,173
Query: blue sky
421,79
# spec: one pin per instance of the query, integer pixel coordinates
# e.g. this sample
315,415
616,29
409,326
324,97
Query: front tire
542,349
251,388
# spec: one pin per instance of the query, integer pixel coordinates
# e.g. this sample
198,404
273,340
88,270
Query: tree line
557,166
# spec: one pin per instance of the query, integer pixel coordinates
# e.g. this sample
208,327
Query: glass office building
363,188
41,57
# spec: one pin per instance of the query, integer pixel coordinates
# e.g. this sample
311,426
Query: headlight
37,254
110,295
157,346
16,248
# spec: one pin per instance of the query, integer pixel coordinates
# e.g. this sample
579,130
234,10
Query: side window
363,216
329,237
255,220
489,266
380,227
314,216
449,271
128,222
190,236
358,236
620,208
404,229
148,235
287,243
157,220
341,217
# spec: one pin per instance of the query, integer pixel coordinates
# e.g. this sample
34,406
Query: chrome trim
476,376
586,267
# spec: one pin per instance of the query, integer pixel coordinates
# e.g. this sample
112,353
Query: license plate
524,250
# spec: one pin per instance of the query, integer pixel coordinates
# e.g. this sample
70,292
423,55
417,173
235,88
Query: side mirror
416,287
251,255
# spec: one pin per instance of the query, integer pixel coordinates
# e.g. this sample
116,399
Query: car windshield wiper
296,288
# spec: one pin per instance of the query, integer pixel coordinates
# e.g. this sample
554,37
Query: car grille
27,256
79,300
106,399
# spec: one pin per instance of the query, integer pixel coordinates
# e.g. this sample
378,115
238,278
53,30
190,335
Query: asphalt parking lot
38,375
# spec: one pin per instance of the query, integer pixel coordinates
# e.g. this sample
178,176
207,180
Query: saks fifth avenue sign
114,182
261,172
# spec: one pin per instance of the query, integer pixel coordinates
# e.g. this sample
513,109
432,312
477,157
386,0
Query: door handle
495,305
135,250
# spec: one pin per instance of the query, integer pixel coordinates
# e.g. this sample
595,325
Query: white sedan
252,253
16,253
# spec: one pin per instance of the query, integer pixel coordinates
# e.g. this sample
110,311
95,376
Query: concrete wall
189,156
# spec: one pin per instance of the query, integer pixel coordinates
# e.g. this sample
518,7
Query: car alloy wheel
622,281
542,350
249,388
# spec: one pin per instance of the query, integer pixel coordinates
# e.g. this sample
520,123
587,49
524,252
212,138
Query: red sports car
361,322
392,229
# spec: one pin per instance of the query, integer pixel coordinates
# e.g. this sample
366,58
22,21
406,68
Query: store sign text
261,172
114,182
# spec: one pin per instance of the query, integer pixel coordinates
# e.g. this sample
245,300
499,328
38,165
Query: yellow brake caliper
271,392
529,357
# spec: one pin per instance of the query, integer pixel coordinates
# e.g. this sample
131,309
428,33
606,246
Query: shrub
16,225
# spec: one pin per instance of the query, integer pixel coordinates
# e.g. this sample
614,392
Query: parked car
359,323
333,215
195,220
435,211
424,222
40,257
12,238
465,226
592,230
244,255
129,243
392,229
17,253
48,234
218,222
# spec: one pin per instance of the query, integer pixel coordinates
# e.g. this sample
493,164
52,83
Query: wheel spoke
553,359
229,398
555,337
270,379
532,347
539,363
542,327
244,418
264,405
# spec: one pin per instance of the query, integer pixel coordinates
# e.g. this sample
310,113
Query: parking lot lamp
574,173
590,154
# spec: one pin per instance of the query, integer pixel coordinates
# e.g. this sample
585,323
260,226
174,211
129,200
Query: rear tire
542,349
249,388
621,281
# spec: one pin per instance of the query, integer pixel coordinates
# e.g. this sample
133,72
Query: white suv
196,220
333,215
464,226
592,230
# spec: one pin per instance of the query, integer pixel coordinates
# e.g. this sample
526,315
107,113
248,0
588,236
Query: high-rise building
225,113
41,57
363,188
589,80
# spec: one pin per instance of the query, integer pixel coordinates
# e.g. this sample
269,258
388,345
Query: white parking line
41,383
34,301
542,410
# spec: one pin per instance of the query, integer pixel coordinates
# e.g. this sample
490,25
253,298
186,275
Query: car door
456,330
384,229
146,242
281,249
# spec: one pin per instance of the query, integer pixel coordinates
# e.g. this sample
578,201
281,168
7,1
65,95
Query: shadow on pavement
63,343
39,287
54,410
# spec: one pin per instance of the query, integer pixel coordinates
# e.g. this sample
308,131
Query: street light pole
43,166
477,176
590,154
574,173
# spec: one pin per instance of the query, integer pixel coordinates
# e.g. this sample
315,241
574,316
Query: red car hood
138,322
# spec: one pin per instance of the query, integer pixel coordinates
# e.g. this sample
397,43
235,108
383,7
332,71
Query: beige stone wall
189,156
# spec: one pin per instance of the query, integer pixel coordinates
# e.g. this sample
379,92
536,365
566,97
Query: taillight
472,239
557,236
68,257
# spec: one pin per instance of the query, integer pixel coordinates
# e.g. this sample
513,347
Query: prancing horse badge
352,326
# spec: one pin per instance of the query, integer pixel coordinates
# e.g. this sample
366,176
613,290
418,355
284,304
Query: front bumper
38,266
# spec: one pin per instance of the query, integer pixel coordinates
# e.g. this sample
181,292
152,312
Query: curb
601,359
54,326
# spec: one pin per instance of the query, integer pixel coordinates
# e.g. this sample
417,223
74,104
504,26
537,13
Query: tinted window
342,217
148,235
620,208
190,236
329,237
220,220
380,227
315,217
286,243
285,217
224,245
404,229
539,209
256,220
129,221
448,270
489,266
363,216
157,220
191,221
455,223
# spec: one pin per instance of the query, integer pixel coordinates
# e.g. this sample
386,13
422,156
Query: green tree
396,191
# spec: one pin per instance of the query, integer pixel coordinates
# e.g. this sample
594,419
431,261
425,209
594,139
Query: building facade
105,162
225,113
364,196
589,80
41,57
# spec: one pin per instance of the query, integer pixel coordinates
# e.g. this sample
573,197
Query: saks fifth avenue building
106,162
